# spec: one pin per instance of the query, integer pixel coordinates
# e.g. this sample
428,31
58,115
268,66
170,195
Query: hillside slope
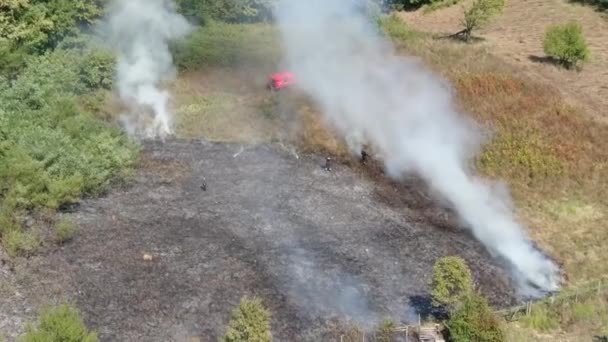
516,37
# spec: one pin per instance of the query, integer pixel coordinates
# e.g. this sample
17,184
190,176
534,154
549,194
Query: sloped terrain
516,36
315,245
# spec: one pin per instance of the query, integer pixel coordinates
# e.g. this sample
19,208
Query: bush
567,44
228,45
452,282
385,330
479,14
250,322
16,242
60,324
474,321
64,230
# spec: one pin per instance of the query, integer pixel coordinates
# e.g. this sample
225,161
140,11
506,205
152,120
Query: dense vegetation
53,150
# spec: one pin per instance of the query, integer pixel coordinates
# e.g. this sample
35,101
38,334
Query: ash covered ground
315,245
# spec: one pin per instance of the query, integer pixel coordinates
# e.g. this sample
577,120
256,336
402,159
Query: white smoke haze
140,31
371,95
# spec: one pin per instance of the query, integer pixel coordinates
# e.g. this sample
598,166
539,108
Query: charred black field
166,259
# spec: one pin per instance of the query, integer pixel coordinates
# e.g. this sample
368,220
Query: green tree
567,44
474,321
452,282
479,14
60,324
39,25
233,11
250,322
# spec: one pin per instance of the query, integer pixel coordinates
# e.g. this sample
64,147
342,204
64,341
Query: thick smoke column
370,95
139,31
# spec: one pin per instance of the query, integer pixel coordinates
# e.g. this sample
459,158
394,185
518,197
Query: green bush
250,322
479,14
229,45
16,242
452,282
60,324
567,44
64,230
474,321
541,318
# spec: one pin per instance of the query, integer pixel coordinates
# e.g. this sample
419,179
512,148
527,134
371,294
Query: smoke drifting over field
370,95
139,31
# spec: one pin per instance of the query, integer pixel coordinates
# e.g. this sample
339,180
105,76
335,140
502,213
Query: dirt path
315,245
516,37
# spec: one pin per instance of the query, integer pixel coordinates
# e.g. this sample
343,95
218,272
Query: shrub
16,242
567,44
474,321
385,330
480,13
250,322
60,324
64,230
541,318
52,152
452,282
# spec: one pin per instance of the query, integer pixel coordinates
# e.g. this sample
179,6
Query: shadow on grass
425,308
459,37
554,61
600,5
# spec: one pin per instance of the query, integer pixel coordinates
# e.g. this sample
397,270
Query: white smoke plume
371,95
140,31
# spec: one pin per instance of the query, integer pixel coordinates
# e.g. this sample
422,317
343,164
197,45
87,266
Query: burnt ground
314,245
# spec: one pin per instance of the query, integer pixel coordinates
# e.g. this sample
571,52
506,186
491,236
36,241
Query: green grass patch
397,29
541,318
437,5
229,45
517,154
65,230
62,323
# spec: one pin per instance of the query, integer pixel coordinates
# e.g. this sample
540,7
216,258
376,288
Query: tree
474,321
479,14
39,25
567,44
250,322
232,11
452,282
